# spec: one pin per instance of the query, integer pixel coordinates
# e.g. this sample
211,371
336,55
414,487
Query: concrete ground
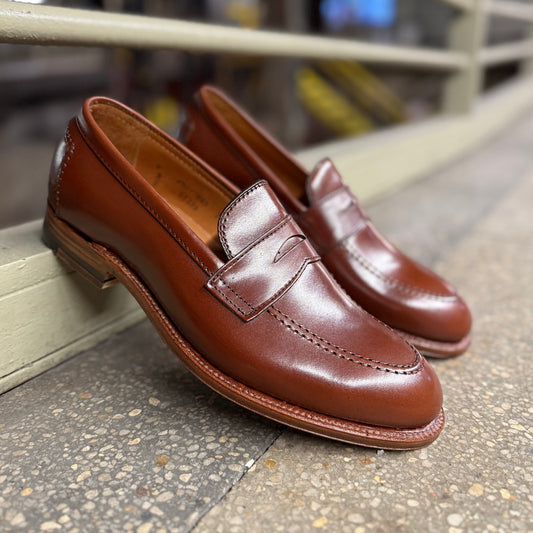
122,438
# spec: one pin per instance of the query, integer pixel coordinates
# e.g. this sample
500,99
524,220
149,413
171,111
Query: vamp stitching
413,368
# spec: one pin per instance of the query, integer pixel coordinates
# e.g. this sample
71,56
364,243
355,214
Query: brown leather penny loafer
420,305
232,285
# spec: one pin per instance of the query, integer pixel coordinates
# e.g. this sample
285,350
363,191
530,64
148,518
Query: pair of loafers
256,272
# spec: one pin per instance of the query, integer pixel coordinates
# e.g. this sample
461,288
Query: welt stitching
154,213
410,365
398,285
64,163
427,430
341,356
165,145
227,213
269,234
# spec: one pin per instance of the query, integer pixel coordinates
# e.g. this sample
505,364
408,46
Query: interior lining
273,157
186,187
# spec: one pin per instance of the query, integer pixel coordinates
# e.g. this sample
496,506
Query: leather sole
436,349
103,268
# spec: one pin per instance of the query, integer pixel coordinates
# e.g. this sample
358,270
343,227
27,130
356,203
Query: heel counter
60,161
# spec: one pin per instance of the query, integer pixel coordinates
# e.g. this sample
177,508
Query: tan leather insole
197,201
185,186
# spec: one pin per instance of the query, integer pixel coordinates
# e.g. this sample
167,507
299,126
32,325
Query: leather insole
187,187
196,200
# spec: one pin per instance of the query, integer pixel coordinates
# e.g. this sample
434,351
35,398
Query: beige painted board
507,53
23,373
24,259
47,312
36,24
380,162
510,9
52,313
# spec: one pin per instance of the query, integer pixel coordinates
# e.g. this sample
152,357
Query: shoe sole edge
103,268
436,349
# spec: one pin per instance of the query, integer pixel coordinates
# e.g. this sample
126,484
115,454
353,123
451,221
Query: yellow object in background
246,13
164,112
347,98
368,90
328,105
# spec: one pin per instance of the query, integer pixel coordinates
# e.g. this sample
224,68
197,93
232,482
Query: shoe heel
76,252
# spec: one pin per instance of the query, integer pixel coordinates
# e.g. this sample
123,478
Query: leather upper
376,274
234,273
260,273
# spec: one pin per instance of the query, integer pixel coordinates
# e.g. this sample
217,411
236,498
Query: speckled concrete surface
478,475
122,438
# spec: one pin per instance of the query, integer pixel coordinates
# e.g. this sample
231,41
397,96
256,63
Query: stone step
477,475
122,438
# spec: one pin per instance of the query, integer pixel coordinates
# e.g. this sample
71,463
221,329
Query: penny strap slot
263,271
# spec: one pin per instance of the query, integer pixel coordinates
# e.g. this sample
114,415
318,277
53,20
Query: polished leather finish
378,276
232,272
262,272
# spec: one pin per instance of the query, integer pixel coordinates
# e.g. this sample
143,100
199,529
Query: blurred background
301,102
